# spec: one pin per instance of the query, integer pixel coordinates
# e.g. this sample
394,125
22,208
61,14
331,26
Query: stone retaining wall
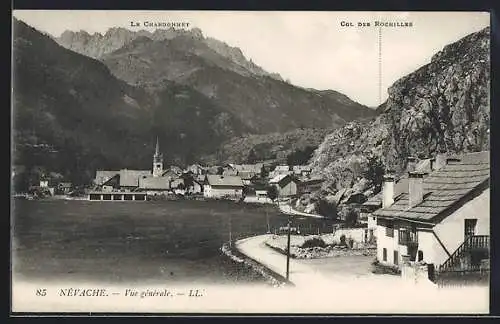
270,276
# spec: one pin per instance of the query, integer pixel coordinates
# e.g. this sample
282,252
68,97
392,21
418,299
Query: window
396,258
420,256
408,235
384,254
470,227
389,230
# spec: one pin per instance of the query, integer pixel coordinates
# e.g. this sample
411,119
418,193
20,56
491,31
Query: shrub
351,218
328,209
314,242
351,242
272,192
374,173
342,240
378,268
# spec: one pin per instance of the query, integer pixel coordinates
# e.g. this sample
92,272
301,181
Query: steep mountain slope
444,105
98,45
272,147
239,87
72,115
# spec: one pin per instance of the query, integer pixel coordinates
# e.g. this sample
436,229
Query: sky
309,49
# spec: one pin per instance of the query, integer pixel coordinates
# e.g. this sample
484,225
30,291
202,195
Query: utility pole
288,249
230,234
267,220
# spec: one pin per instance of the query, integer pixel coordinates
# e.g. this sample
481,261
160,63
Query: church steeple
157,160
157,151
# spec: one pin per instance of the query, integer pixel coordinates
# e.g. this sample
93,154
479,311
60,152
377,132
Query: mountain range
103,107
260,100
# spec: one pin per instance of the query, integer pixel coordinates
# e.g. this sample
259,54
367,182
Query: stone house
220,186
442,220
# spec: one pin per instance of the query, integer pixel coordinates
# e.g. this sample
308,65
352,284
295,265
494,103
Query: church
152,182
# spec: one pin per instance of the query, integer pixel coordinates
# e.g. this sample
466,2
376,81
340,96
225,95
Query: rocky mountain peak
98,45
196,33
442,105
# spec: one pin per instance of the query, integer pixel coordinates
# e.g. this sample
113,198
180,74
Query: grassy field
167,241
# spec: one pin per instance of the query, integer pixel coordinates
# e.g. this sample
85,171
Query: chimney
411,163
388,191
416,188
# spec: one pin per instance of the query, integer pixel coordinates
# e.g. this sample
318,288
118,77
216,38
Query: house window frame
467,229
389,229
420,256
395,255
384,254
408,234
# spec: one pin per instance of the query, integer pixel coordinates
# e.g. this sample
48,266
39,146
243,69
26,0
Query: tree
263,172
188,179
252,157
300,156
351,218
375,173
245,191
327,208
272,192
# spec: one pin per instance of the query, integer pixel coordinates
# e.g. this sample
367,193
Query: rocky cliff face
444,105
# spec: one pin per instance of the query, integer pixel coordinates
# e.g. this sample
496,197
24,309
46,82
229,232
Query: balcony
407,237
472,255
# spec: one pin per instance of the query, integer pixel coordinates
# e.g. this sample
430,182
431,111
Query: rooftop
400,185
130,178
154,183
221,180
444,188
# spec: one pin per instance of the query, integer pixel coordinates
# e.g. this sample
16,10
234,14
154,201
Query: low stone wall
415,272
357,234
270,276
465,278
279,243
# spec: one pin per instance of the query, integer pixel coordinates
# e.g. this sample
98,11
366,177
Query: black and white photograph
250,162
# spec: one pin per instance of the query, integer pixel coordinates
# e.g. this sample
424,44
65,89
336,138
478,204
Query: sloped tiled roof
401,185
230,172
101,176
282,168
130,178
154,183
246,175
444,188
247,167
278,178
171,174
300,168
230,181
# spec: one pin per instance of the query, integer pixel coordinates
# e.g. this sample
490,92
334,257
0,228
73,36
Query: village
257,182
431,223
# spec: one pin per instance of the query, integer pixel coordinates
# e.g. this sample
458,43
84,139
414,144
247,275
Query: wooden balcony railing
469,255
407,237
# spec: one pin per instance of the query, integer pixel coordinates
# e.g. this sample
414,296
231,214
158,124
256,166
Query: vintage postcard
233,162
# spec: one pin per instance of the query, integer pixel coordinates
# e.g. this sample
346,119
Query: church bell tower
157,161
